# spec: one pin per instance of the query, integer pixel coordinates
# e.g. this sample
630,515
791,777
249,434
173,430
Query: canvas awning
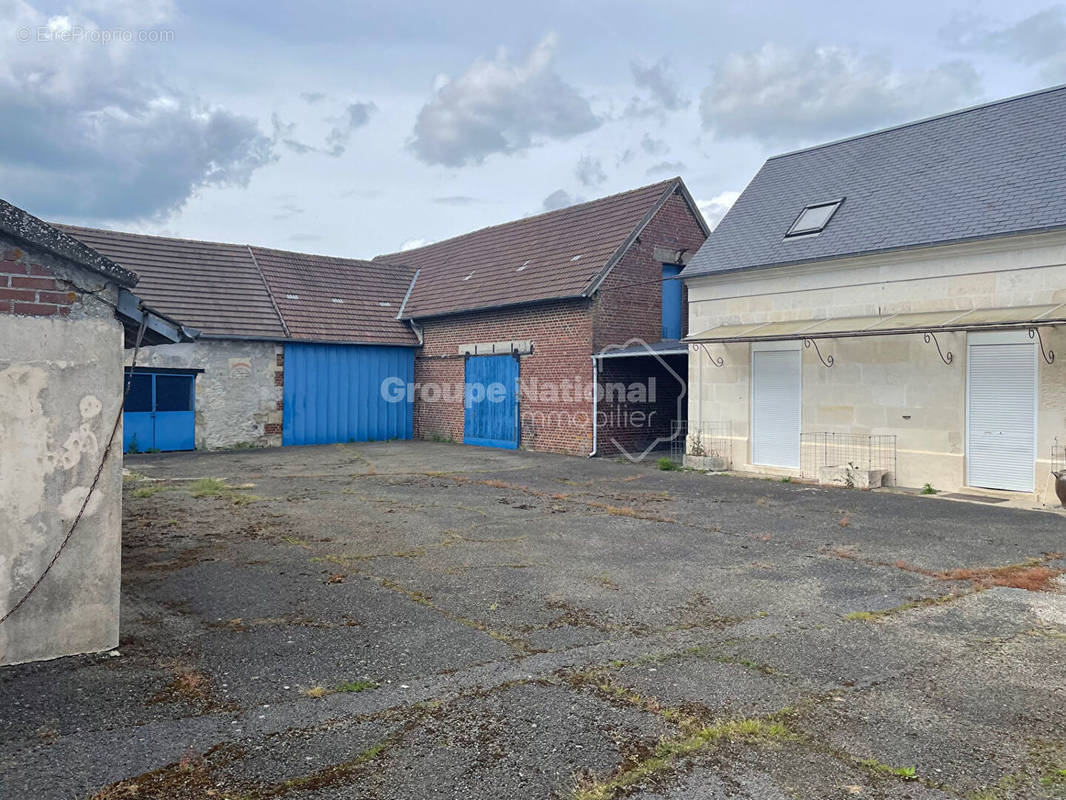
887,325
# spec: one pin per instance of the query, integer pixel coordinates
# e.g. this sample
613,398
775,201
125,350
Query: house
888,307
547,308
65,312
292,348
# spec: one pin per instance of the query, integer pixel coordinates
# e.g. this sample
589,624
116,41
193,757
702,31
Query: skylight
814,218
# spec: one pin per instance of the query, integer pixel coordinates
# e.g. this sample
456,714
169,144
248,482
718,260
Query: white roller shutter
775,406
1001,412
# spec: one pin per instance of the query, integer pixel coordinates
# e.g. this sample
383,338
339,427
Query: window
814,218
671,301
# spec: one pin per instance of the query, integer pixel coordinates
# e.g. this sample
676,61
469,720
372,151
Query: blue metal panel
138,431
334,393
671,302
490,401
175,430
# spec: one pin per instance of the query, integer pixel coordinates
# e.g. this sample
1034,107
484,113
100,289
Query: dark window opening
173,393
140,397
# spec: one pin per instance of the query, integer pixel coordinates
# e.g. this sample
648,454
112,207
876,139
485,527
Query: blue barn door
346,393
159,412
490,401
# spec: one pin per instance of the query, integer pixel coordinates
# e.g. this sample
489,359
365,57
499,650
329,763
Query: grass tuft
668,465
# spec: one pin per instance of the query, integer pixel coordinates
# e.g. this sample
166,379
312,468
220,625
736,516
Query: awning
667,347
919,322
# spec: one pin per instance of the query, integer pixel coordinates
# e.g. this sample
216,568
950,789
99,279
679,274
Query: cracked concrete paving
540,626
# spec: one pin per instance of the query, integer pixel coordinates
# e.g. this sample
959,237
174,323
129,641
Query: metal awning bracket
827,361
1048,355
697,346
947,357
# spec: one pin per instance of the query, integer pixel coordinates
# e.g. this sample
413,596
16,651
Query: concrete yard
418,620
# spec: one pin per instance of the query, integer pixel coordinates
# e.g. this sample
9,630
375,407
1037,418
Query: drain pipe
595,406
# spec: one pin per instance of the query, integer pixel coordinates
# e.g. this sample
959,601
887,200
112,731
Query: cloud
653,146
666,168
661,89
356,115
90,133
589,171
714,209
500,107
785,95
1036,40
456,200
560,199
312,97
413,244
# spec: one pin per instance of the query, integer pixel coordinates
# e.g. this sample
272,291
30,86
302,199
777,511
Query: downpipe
595,406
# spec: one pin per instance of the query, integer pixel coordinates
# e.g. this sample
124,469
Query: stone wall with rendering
238,394
60,393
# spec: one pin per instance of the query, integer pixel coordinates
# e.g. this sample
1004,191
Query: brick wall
629,303
28,288
631,424
561,334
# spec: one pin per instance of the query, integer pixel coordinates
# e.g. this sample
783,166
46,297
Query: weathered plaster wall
886,385
238,394
60,379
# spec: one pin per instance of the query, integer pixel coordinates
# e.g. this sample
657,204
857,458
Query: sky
356,129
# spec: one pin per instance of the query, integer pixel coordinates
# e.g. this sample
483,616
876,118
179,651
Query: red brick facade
564,335
561,333
30,289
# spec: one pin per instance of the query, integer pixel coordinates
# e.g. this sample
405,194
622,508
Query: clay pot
1060,486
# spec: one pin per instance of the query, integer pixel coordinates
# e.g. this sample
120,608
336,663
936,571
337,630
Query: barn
293,347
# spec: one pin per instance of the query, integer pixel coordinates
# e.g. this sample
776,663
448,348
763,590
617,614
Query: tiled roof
988,171
554,255
237,290
337,299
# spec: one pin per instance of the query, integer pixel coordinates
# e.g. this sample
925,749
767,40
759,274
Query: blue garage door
159,412
491,401
346,393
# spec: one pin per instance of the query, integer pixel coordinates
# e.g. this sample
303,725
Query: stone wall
60,393
238,394
886,385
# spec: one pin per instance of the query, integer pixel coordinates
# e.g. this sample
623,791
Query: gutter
131,310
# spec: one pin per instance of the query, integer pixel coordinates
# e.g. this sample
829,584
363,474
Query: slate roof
560,254
992,170
25,227
236,290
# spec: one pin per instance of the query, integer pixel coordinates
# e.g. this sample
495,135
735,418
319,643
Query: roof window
814,218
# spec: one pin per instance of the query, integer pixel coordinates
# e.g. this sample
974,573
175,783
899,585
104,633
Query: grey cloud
92,136
356,115
667,168
660,87
1036,40
589,171
455,200
560,199
653,146
780,95
497,106
312,97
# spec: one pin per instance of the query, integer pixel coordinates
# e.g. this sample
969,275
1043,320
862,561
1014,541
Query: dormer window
814,218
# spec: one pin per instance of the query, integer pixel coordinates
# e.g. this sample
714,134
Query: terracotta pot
1060,486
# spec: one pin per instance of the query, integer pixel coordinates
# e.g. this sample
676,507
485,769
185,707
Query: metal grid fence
1058,456
709,439
856,451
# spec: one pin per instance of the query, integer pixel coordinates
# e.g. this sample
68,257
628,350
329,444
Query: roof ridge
64,225
921,121
531,217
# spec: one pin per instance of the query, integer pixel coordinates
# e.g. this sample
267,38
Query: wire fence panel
854,452
711,440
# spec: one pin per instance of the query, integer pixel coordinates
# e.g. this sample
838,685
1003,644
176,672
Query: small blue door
159,412
490,401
